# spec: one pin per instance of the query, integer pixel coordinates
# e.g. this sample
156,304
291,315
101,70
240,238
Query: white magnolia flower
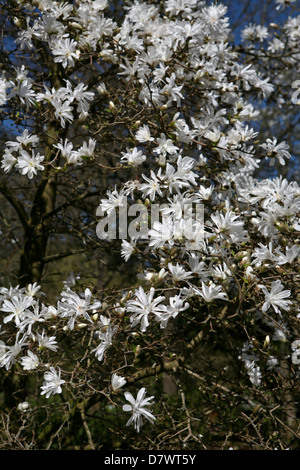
143,134
52,382
279,335
22,141
138,408
143,305
255,32
73,306
29,318
133,157
250,359
272,363
275,297
32,289
228,224
205,193
172,91
162,232
29,362
254,373
82,96
29,164
117,382
23,406
263,253
103,321
198,266
23,89
220,271
150,276
115,199
211,292
9,354
291,254
65,51
8,161
153,185
87,149
48,25
274,150
45,341
66,148
106,338
249,273
127,249
63,110
178,272
176,305
16,307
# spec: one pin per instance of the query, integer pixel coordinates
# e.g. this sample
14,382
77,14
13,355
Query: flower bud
112,106
23,406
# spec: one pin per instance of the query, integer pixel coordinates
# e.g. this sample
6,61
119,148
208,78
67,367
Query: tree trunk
38,230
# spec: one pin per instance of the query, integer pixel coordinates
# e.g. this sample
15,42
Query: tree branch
7,193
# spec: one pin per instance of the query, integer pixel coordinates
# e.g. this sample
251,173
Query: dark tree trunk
38,228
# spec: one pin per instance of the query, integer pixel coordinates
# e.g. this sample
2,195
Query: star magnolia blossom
211,292
138,408
73,306
143,305
52,382
29,164
65,51
106,338
29,362
275,297
117,382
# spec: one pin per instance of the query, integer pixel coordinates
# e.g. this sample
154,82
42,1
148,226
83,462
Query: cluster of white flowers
24,310
206,156
22,155
66,100
32,320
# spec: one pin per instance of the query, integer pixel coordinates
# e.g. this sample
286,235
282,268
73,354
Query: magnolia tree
131,135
